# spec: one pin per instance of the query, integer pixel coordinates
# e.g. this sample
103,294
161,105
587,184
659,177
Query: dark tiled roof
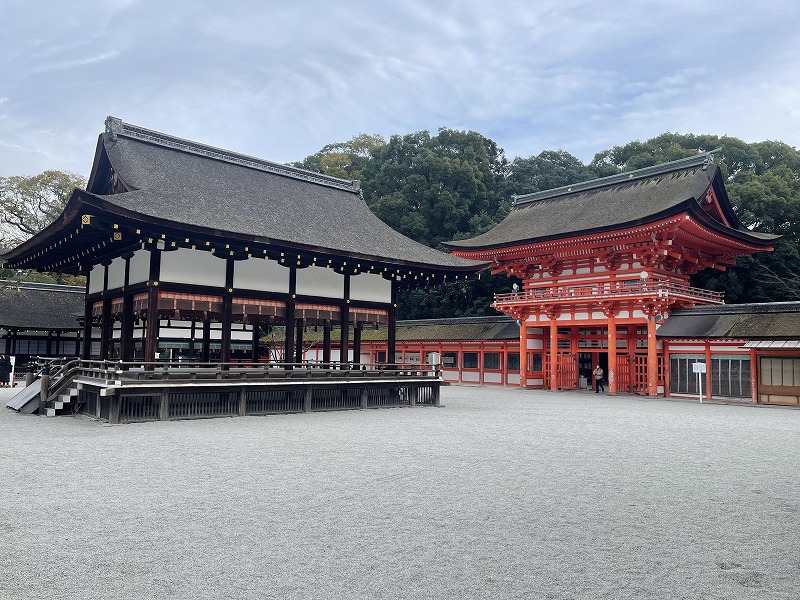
776,320
466,328
40,306
626,199
189,183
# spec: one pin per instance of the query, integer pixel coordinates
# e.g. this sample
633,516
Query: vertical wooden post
44,390
709,374
326,343
357,344
344,337
126,332
391,339
163,406
227,314
205,352
242,402
288,341
612,355
151,324
632,336
652,357
254,347
667,376
298,347
553,354
106,330
755,373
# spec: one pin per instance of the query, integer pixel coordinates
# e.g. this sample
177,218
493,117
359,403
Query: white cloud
281,81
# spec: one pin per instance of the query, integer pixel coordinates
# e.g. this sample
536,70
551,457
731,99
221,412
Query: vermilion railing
607,291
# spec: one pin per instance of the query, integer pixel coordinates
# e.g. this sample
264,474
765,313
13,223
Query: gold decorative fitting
117,236
155,284
86,219
138,231
230,289
116,226
149,240
172,244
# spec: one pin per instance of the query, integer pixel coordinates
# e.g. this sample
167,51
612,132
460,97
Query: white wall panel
260,274
370,288
319,281
116,273
192,266
96,276
139,269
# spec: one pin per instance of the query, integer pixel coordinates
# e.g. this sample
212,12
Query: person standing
5,371
598,379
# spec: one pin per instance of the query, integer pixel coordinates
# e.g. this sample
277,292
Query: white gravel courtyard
501,493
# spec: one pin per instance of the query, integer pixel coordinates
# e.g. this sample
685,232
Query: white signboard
698,367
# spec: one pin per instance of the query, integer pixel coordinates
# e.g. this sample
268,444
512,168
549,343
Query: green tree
549,169
28,205
345,160
437,188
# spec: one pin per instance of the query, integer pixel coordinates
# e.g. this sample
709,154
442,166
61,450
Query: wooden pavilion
605,262
182,240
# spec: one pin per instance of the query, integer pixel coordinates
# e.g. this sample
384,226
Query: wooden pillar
151,324
344,340
612,354
754,375
344,336
553,354
8,343
192,334
86,351
254,347
357,344
151,321
227,314
298,347
205,352
106,330
667,377
49,344
709,374
326,342
126,332
391,340
77,344
652,357
288,340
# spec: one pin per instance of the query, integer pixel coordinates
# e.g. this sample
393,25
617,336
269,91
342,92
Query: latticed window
513,361
470,360
491,361
780,370
730,375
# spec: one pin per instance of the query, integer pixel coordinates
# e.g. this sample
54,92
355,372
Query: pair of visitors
598,379
5,371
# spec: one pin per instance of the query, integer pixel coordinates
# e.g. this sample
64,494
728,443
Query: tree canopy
28,205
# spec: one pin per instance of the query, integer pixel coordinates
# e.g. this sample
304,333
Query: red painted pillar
612,355
523,355
709,374
652,357
754,374
553,354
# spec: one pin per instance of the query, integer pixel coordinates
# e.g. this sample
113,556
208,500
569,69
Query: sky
280,80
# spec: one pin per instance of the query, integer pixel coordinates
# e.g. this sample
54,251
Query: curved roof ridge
704,159
117,127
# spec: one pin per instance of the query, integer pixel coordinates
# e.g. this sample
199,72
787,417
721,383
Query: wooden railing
609,291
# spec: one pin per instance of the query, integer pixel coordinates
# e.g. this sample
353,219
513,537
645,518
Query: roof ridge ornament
116,127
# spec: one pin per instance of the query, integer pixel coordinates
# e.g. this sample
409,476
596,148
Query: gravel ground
501,493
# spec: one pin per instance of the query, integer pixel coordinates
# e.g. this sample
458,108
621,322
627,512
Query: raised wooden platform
135,392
